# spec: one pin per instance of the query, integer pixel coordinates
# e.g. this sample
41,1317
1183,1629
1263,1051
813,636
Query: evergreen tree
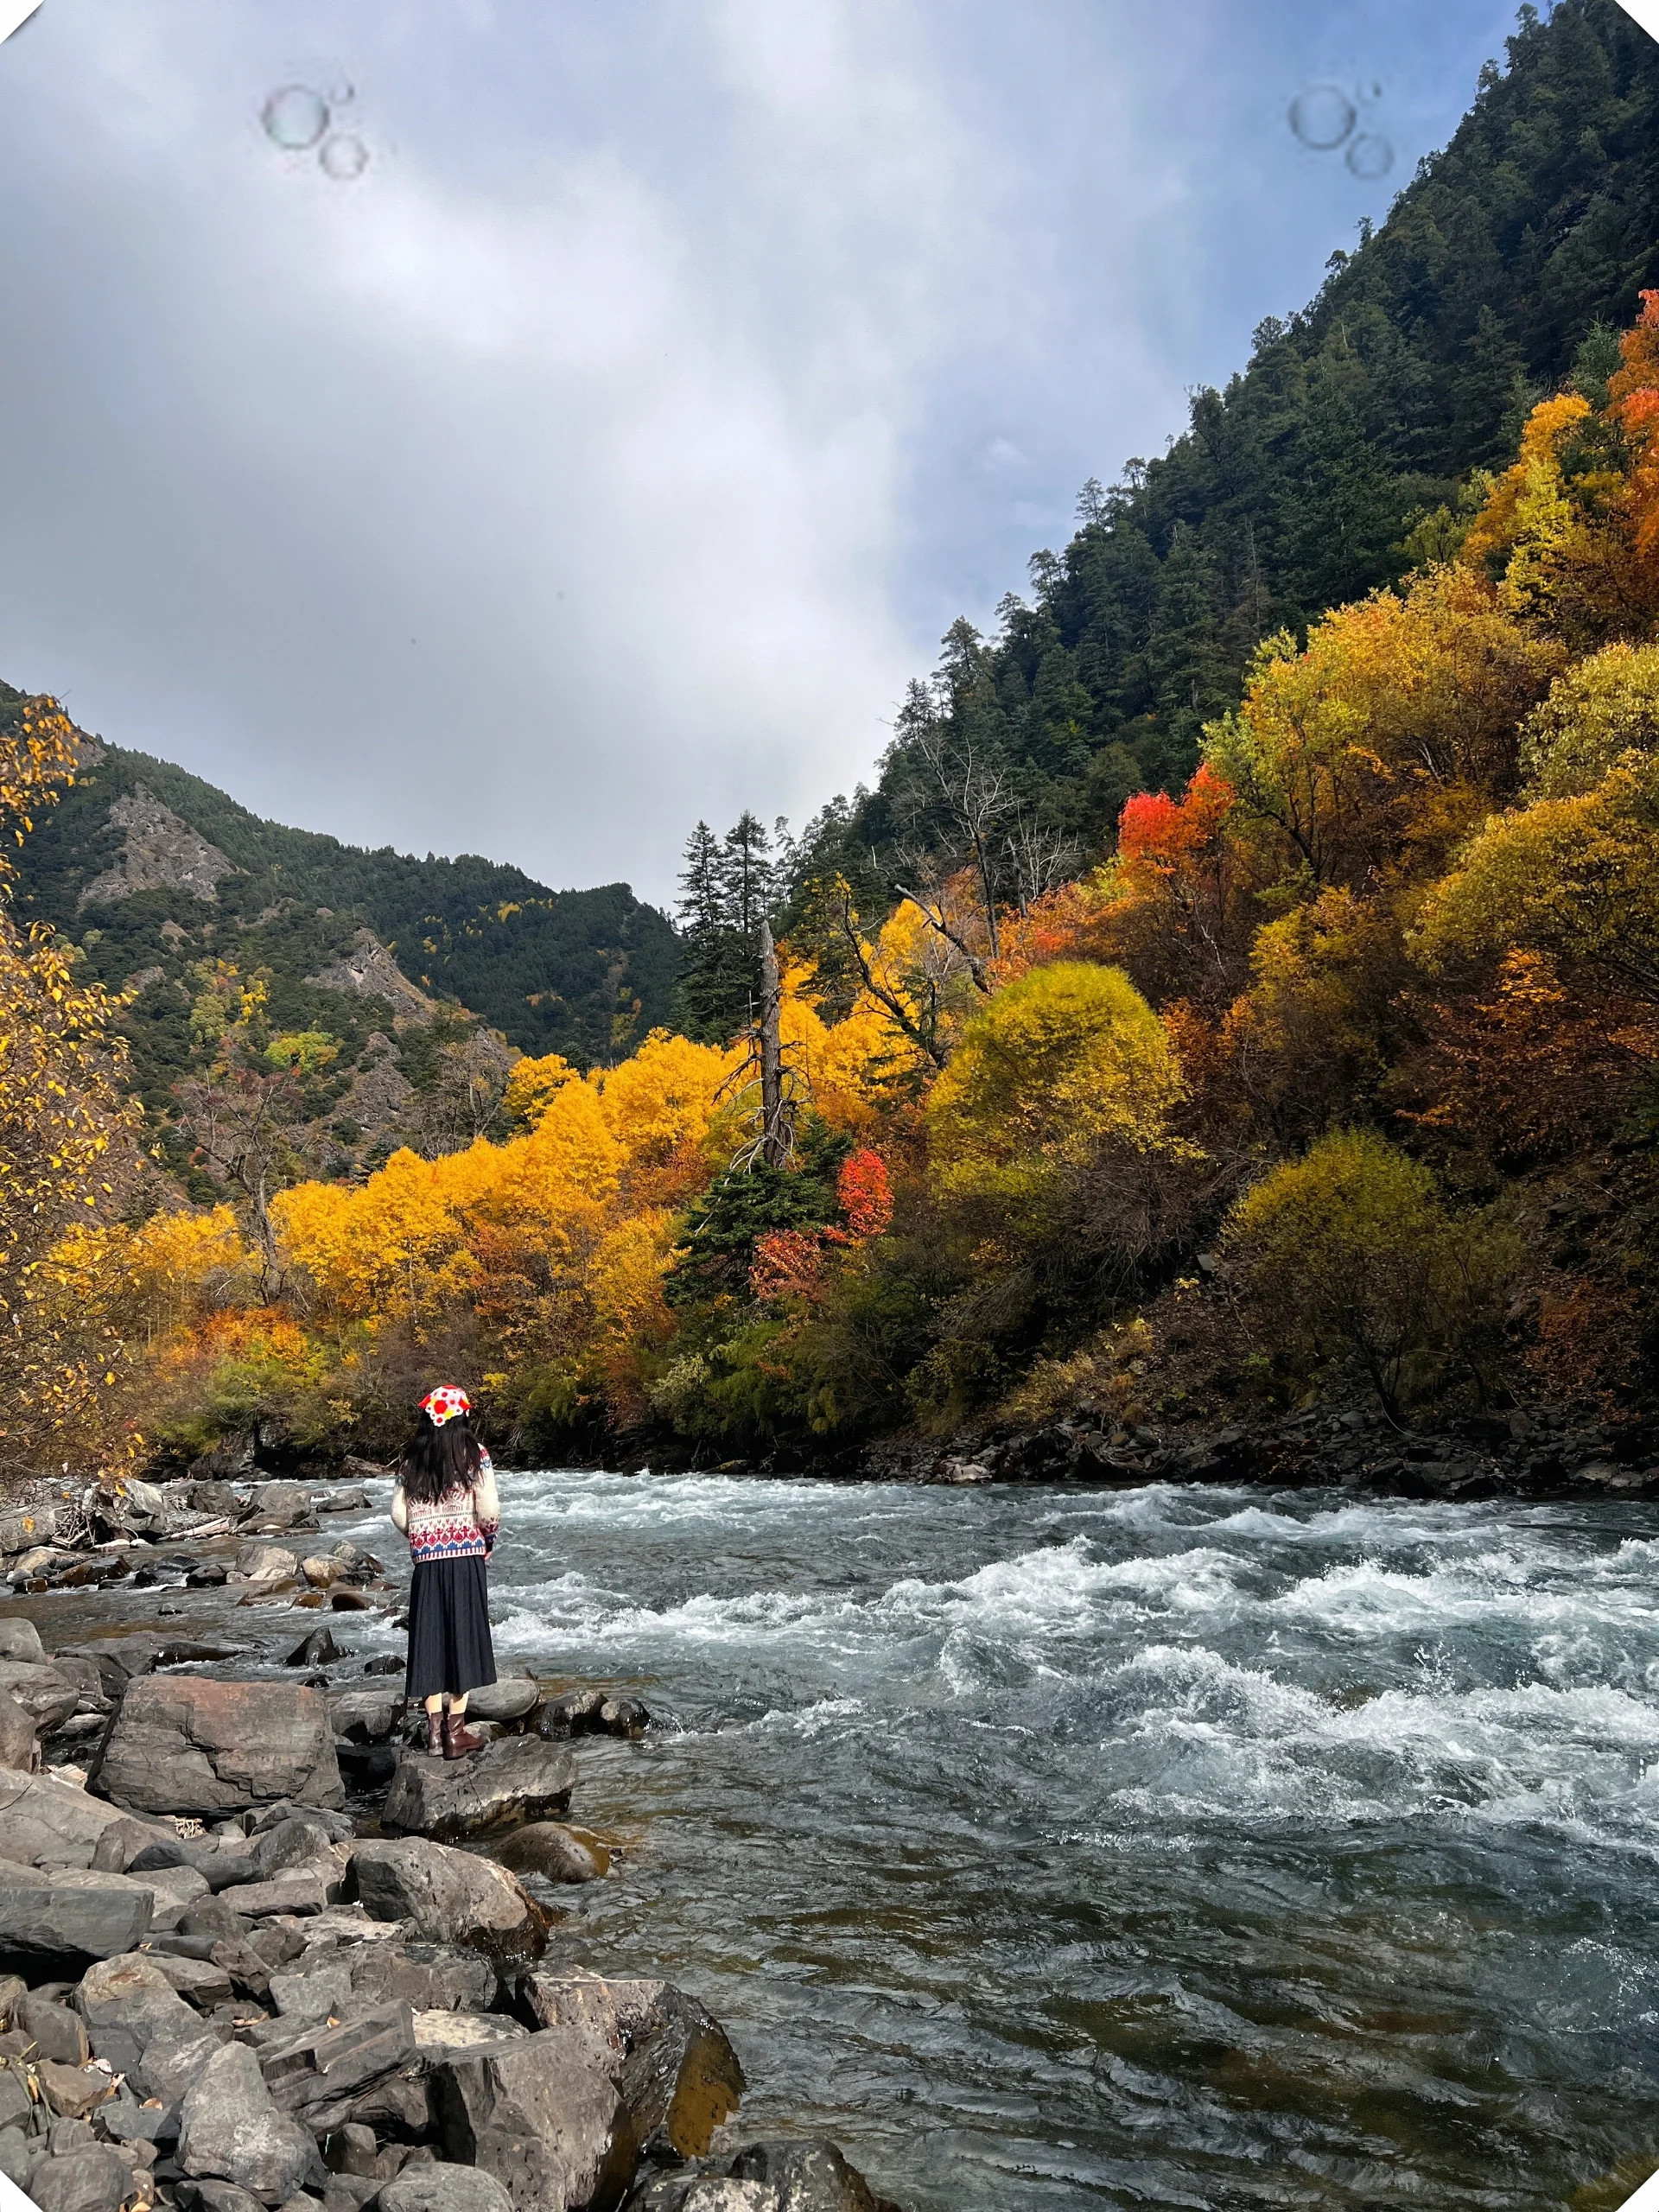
726,890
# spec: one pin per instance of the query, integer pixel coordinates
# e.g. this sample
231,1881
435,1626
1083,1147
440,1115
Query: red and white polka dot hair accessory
444,1404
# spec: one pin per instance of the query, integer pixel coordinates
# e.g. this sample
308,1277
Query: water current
1159,1847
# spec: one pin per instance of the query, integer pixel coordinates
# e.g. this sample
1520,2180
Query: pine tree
726,891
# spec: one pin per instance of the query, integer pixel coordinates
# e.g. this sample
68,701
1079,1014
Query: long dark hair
437,1460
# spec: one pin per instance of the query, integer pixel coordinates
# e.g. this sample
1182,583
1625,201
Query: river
1158,1848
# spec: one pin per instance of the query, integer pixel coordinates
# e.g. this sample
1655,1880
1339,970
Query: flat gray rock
188,1745
53,1925
542,2118
515,1778
442,2188
47,1696
94,2179
44,1821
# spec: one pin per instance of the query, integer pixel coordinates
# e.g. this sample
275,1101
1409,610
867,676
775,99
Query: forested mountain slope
584,973
1316,474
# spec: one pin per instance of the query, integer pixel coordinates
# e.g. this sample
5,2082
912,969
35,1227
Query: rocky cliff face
368,971
159,852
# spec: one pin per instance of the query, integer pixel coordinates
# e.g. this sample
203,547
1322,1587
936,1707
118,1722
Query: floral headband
444,1404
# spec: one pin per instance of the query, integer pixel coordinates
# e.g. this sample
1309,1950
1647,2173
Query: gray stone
447,1897
72,2091
441,2188
15,2162
807,2178
350,2150
702,2193
46,1695
513,1698
26,1531
516,1778
558,1854
280,1505
303,1890
574,1713
55,2031
216,2197
668,2057
200,1982
542,2118
625,1717
138,2022
188,1745
452,2034
123,1841
428,1977
16,2108
55,1924
230,2129
20,1747
368,1716
323,2069
95,2179
13,1990
258,1562
21,1639
47,1822
311,1992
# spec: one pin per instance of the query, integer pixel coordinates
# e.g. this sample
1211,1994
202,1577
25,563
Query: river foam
1161,1846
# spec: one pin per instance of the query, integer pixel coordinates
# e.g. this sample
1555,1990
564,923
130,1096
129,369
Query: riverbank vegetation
1331,1053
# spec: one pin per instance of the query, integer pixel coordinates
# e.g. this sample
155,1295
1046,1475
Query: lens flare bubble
341,92
1371,157
294,118
344,156
1322,117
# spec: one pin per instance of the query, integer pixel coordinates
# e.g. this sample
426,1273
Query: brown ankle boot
458,1738
434,1734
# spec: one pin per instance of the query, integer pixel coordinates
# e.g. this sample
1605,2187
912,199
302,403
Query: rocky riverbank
258,1950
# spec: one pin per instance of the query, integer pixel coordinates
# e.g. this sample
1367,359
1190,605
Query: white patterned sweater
461,1524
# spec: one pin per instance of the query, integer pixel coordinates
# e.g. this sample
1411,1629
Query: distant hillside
154,873
1329,466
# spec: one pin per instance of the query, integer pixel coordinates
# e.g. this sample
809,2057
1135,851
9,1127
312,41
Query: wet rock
366,1767
276,1506
447,1897
187,1744
807,2178
318,1650
388,1662
257,1561
55,2031
625,1717
554,1851
55,1924
20,1747
518,1778
442,2188
95,2179
231,2130
29,1531
47,1696
368,1715
510,1699
668,2057
542,2118
19,1640
341,1501
591,1713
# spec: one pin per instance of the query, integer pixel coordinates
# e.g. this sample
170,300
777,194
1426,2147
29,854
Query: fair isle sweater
461,1524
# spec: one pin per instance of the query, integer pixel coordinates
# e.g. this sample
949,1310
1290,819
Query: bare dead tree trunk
774,1131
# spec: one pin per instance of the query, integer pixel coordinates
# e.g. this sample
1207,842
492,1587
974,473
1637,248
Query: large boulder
807,2178
554,1851
231,2130
668,2057
47,1696
447,1897
442,2188
94,2178
368,1715
45,1821
53,1925
21,1639
258,1562
514,1697
276,1506
702,2193
516,1778
186,1744
138,2022
323,2067
544,2117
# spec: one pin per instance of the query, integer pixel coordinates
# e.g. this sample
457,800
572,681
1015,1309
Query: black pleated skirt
450,1646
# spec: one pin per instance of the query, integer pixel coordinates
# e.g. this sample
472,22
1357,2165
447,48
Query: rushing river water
1146,1848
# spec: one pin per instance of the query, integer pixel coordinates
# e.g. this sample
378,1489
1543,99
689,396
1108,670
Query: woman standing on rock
445,1503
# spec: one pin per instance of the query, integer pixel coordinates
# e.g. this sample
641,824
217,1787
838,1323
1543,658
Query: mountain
409,966
1330,465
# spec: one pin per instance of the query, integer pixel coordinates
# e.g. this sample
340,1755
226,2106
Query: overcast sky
614,448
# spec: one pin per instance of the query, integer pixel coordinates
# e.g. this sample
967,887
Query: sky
613,448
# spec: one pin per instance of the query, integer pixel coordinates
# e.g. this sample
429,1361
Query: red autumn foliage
1160,834
864,1193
